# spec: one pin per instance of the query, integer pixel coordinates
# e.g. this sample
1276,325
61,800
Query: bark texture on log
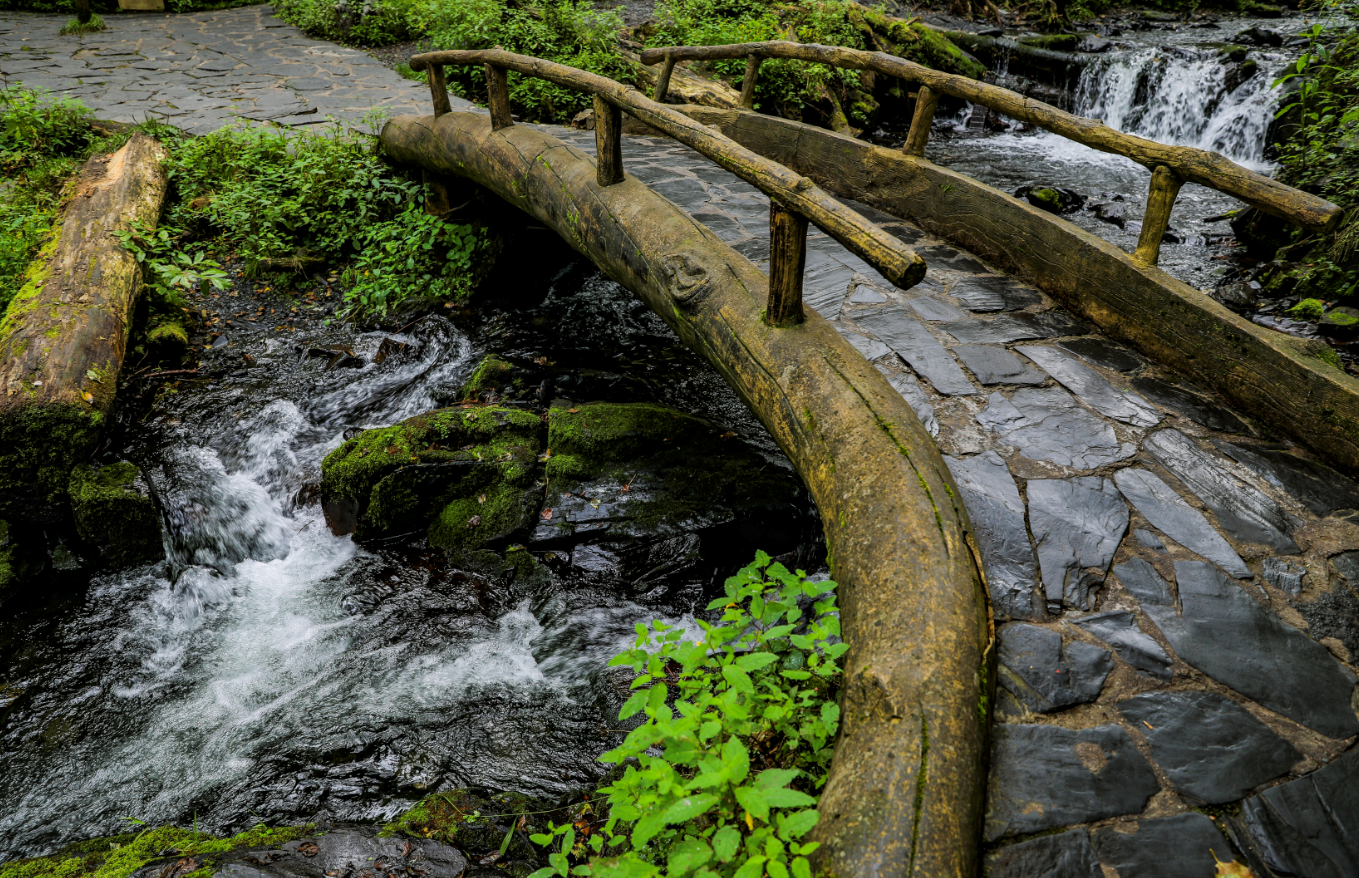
1046,64
894,260
905,790
63,336
684,86
1192,165
1293,385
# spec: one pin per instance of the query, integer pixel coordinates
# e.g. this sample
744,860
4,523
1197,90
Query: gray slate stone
1210,747
1091,387
1119,629
1064,855
1168,512
1310,826
1183,846
1103,352
935,310
1186,403
1150,541
1047,675
993,292
1076,523
997,512
916,346
871,348
997,330
915,397
996,365
1228,636
1048,424
1284,574
1043,777
1318,487
1144,583
1242,510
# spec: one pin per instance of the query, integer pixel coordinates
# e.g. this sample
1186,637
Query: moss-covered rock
119,856
115,514
647,470
477,823
38,448
21,557
465,474
492,373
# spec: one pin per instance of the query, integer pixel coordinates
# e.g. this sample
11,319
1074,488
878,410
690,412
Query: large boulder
115,514
467,476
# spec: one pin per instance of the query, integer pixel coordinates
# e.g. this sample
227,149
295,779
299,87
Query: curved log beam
1295,386
64,334
1192,165
904,796
898,263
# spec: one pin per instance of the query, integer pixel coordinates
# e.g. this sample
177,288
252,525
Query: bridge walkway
1115,504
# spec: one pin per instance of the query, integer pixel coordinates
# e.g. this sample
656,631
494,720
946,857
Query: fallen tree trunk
1046,64
904,796
64,334
685,87
1295,386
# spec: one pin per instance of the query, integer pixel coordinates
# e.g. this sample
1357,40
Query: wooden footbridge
905,794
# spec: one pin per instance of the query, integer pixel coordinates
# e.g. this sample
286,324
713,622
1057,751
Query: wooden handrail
1186,162
897,262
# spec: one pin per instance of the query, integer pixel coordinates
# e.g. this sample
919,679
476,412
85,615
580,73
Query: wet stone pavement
1176,590
199,71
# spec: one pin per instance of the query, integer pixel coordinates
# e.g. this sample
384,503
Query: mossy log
1046,64
1192,165
905,790
894,260
63,338
1295,386
685,86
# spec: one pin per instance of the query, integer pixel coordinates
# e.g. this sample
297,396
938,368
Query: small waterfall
1185,96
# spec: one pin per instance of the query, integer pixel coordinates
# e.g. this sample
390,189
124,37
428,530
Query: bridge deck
1175,682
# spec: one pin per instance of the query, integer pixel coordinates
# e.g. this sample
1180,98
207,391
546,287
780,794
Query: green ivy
743,721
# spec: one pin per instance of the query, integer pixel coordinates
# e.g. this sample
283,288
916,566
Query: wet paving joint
1112,503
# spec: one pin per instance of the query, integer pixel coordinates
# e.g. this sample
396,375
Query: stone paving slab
203,70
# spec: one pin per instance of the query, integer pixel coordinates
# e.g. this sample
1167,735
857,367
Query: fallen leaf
88,397
91,374
547,514
1231,868
572,411
482,499
473,521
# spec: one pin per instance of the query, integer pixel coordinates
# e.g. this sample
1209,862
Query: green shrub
413,257
744,721
74,26
360,22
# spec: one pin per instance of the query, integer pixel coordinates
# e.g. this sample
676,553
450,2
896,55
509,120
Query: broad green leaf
753,801
801,868
798,824
738,679
627,866
753,661
688,855
777,869
688,808
725,842
736,760
635,703
774,778
751,868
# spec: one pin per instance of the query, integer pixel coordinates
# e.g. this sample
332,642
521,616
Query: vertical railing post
438,90
608,142
925,102
498,96
1165,186
787,259
748,84
663,78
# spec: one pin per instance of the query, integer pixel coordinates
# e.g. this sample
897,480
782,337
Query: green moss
473,823
38,447
26,299
1054,42
937,51
492,372
118,856
1308,309
169,333
114,516
438,468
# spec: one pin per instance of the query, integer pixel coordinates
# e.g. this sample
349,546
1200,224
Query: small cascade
1186,96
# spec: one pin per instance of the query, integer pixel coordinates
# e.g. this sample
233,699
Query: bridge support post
787,259
925,102
748,83
663,78
498,96
438,90
608,142
1165,186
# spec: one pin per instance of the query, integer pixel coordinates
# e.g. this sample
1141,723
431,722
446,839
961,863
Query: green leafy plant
722,776
413,256
75,26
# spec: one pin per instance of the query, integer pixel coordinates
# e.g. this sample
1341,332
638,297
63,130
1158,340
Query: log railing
1171,166
794,199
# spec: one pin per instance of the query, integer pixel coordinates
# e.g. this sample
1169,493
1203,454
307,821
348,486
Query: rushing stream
269,670
1166,85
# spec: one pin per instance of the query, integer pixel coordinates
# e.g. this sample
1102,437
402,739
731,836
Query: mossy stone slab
115,514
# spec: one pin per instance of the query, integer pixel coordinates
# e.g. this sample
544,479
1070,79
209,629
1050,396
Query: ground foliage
722,777
1321,156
